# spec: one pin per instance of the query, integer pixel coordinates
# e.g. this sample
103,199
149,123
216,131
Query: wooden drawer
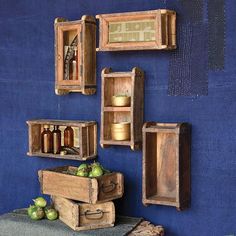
58,182
83,216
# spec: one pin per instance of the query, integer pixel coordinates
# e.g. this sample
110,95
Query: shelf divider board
110,108
131,84
87,138
166,164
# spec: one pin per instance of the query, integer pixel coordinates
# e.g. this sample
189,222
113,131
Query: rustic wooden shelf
85,138
144,30
166,164
75,55
129,84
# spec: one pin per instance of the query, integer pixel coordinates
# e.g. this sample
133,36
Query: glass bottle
56,136
68,137
73,66
46,139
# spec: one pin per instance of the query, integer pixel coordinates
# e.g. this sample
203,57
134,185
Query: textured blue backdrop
27,92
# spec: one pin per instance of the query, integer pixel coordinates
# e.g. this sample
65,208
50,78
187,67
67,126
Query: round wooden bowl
120,131
120,101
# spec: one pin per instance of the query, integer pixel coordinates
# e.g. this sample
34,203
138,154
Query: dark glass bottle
46,139
68,137
56,136
73,66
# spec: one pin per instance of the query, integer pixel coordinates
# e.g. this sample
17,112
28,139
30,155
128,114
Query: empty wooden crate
122,108
75,55
63,182
85,139
143,30
81,216
166,164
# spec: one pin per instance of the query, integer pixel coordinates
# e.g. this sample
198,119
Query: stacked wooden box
83,203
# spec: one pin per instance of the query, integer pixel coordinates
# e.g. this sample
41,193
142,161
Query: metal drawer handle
93,215
108,188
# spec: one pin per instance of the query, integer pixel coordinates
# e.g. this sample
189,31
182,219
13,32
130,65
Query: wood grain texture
122,83
82,216
86,32
166,164
87,138
165,30
57,182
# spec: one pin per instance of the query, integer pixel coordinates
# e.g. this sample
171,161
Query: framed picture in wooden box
166,164
145,30
75,55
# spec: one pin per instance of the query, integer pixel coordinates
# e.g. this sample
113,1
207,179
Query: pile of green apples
40,210
91,170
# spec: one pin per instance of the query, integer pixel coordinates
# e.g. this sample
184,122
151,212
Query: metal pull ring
108,188
93,215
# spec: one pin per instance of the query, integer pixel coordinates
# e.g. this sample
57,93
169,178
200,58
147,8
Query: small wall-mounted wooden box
144,30
60,182
82,216
129,85
75,55
166,164
85,138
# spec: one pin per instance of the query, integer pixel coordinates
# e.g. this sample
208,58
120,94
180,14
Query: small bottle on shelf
56,134
46,139
73,66
68,137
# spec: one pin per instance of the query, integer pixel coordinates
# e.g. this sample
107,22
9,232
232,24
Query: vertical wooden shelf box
130,84
75,55
85,138
144,30
166,164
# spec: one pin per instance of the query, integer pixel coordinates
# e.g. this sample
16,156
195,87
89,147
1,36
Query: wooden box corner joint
122,125
75,55
166,164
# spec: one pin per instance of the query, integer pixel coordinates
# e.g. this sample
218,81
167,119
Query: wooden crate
83,216
130,84
166,164
85,136
58,182
80,34
144,30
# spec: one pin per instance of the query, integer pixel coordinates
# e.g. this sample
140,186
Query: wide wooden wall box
166,164
63,182
144,30
75,55
82,216
84,144
122,108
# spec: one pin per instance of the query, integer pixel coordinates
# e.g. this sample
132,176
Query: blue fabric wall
27,92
